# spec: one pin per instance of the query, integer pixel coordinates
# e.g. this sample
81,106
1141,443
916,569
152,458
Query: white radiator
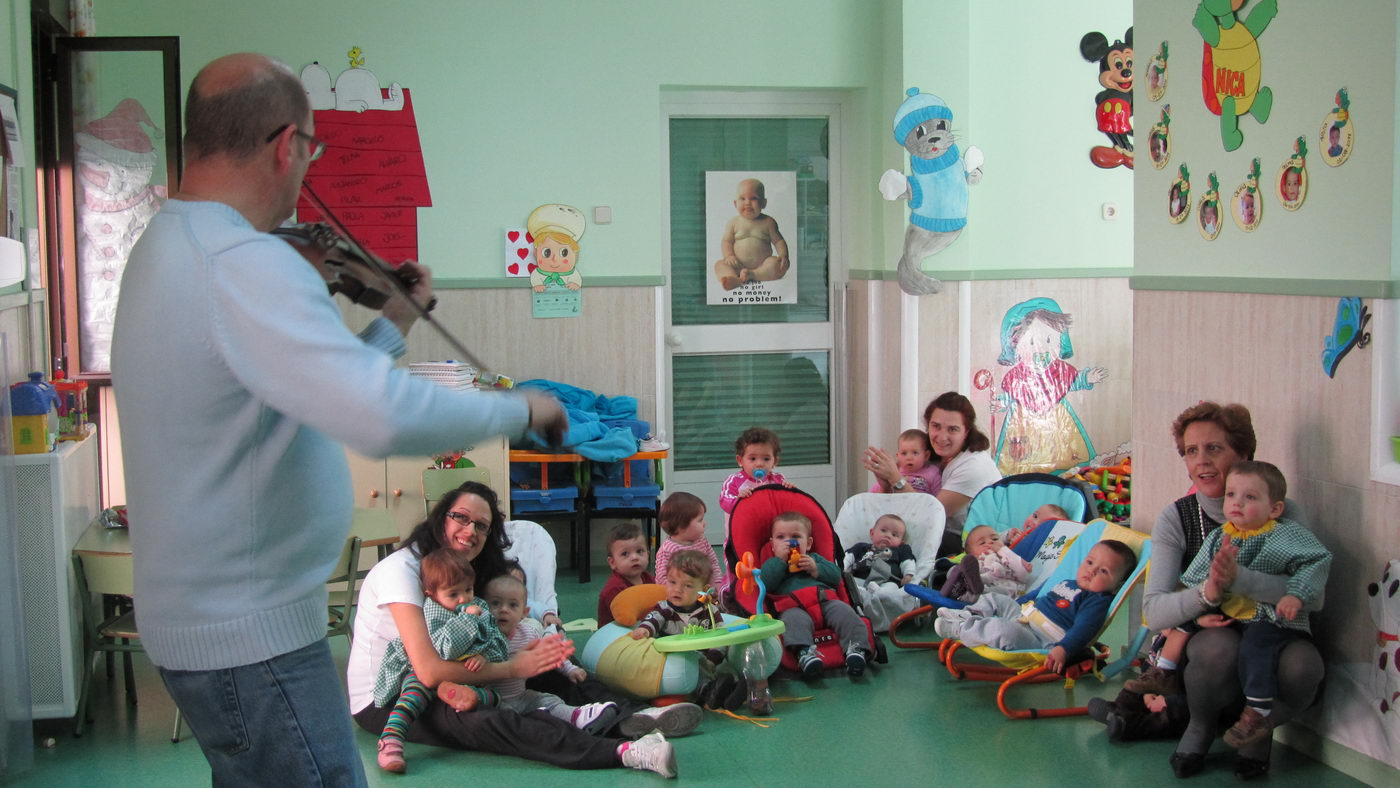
56,500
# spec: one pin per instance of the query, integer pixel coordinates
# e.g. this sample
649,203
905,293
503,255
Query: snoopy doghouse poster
748,216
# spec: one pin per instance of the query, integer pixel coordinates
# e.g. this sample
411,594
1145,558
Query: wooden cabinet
397,483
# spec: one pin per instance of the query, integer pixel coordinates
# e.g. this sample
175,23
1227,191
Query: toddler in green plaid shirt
1254,499
460,630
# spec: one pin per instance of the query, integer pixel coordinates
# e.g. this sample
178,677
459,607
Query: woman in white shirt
391,606
959,451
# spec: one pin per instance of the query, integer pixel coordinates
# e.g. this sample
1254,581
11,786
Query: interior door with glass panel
118,135
765,360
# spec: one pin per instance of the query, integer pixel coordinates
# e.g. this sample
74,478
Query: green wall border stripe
1362,288
501,283
872,275
999,274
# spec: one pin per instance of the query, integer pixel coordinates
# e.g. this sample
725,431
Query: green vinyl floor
906,723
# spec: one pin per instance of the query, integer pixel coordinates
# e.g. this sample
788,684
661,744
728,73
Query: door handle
672,340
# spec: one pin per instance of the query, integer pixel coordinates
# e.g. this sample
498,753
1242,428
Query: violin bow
386,273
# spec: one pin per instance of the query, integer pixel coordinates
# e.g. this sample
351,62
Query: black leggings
536,735
1212,680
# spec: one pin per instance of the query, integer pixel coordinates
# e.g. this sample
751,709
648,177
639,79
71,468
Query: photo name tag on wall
557,302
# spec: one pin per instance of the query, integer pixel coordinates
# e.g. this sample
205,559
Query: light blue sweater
237,382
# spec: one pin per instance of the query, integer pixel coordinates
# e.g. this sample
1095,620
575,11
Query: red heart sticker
513,235
522,253
532,268
529,239
1062,603
514,268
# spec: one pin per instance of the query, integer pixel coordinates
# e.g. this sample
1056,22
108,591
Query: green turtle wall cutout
1231,66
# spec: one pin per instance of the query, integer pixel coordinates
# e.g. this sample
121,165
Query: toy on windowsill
1112,489
451,460
72,407
34,415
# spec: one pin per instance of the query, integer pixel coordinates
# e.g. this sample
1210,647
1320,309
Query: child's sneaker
678,719
855,663
1251,728
651,753
947,628
810,662
1156,681
594,717
391,756
953,613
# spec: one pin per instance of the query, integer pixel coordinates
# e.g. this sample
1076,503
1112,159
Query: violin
347,272
358,274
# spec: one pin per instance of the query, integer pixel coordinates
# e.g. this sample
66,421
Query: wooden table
98,539
374,527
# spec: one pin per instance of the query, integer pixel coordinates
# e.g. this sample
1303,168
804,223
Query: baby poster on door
749,218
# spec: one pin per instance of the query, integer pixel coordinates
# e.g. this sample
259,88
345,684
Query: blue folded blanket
600,428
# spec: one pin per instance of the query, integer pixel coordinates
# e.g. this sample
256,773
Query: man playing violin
239,383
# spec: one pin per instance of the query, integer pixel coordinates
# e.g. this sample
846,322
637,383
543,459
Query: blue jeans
280,722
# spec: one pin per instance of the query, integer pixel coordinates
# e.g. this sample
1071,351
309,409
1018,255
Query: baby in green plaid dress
1254,499
459,630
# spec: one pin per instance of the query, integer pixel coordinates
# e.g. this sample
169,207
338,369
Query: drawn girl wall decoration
1041,431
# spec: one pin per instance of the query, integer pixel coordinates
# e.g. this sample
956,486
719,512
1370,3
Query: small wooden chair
108,574
438,482
346,571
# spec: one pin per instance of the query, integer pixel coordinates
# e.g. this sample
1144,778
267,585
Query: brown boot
1252,728
1156,681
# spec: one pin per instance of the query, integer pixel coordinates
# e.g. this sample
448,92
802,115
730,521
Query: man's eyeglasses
461,518
317,146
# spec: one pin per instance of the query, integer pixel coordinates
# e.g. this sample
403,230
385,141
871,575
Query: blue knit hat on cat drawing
916,109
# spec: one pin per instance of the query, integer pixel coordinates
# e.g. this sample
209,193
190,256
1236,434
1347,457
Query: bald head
236,101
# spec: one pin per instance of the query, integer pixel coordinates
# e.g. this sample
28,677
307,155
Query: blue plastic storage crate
555,499
638,496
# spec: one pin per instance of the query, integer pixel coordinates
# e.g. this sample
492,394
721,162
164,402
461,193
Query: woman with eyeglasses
391,606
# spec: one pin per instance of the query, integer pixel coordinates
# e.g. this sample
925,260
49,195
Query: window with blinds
797,145
718,396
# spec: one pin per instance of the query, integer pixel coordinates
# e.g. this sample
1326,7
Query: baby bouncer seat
750,526
923,519
1004,505
1008,502
1027,666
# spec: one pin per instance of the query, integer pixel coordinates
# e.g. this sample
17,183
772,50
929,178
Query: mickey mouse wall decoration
1113,106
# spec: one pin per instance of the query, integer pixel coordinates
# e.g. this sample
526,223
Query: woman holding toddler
1210,439
391,604
959,452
